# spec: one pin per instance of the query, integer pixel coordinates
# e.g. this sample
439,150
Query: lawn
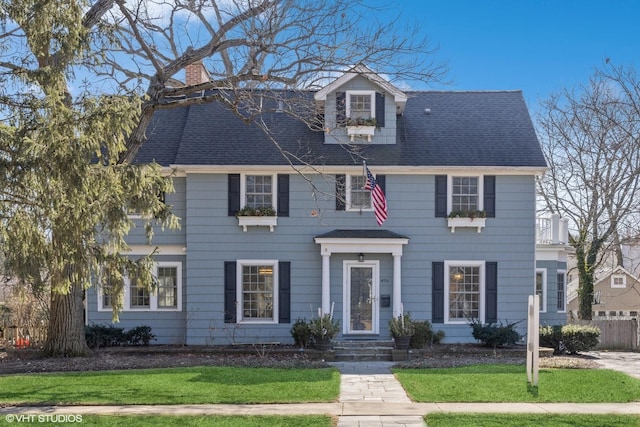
531,420
508,383
210,384
189,421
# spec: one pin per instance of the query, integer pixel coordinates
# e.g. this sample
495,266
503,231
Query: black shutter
437,292
491,292
230,292
380,109
341,194
382,182
490,196
441,196
284,292
341,109
283,195
233,194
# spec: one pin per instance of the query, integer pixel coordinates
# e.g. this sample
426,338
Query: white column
326,289
397,285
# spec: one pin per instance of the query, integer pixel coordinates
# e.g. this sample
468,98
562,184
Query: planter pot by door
402,343
322,344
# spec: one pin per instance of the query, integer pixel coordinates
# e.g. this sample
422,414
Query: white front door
361,283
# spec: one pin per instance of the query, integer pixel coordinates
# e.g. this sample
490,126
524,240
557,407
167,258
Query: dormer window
361,107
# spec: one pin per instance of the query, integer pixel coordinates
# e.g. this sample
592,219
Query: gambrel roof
436,129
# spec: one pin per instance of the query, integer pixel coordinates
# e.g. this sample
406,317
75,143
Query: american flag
377,197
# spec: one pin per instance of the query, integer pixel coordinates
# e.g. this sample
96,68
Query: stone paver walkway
373,382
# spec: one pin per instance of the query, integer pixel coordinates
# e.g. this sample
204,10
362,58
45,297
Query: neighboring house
223,278
616,294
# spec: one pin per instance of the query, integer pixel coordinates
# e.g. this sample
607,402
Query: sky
537,46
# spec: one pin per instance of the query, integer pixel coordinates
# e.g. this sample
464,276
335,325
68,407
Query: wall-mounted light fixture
360,257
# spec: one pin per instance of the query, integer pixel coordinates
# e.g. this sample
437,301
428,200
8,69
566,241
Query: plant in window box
260,216
323,329
467,214
361,127
259,211
361,121
402,329
476,219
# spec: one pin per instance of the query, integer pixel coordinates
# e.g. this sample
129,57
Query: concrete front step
364,350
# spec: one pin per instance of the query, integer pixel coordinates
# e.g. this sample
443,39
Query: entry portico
359,242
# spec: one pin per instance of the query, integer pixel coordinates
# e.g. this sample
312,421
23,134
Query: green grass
187,421
508,383
173,386
531,420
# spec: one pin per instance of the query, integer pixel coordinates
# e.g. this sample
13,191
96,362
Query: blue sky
537,46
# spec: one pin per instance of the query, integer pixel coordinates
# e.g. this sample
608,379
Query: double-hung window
465,194
258,191
541,288
358,199
361,105
167,296
562,291
464,291
257,291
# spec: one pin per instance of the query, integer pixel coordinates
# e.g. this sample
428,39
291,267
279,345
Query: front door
361,297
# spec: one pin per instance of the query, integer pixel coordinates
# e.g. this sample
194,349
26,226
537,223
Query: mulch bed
107,359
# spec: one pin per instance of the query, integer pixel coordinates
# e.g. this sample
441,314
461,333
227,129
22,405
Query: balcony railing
552,231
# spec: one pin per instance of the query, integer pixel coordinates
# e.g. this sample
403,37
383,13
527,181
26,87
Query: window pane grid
139,295
561,292
257,292
167,287
359,197
464,193
464,293
259,191
360,106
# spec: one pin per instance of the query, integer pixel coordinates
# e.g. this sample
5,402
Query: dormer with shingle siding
360,108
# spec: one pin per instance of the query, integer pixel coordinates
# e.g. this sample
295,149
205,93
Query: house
616,295
225,278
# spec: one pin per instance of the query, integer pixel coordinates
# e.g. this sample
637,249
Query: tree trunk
65,336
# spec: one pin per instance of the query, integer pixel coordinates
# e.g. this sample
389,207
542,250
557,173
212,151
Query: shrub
424,335
103,336
109,336
495,335
571,339
402,326
324,327
140,335
301,333
551,336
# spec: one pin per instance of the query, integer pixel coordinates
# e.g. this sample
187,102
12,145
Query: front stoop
365,350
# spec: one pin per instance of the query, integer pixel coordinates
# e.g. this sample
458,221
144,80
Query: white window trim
543,299
450,189
153,297
348,206
564,274
371,93
274,188
481,310
618,276
250,262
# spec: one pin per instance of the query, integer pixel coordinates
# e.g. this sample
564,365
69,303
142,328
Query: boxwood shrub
571,338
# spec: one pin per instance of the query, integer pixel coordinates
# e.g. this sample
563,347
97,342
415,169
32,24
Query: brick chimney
196,73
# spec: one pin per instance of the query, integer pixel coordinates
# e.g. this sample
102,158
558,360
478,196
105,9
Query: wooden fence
615,334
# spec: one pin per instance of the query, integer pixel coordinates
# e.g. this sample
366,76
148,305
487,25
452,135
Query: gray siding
552,316
213,238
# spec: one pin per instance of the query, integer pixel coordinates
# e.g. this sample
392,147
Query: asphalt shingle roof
461,129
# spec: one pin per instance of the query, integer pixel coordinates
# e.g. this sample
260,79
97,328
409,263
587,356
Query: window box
367,131
266,221
478,223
